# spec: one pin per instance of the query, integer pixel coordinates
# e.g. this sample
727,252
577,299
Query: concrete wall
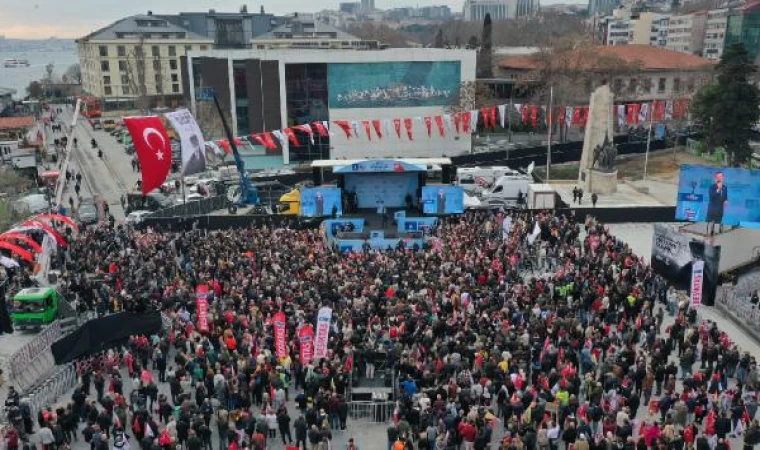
738,246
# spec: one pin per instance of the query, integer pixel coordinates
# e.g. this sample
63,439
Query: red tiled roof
644,56
14,123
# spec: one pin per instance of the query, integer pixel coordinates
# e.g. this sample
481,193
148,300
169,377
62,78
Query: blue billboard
393,84
442,200
320,201
730,196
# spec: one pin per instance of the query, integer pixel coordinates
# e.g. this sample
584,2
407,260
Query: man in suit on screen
717,201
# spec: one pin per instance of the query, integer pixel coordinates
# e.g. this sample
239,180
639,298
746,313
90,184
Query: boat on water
15,62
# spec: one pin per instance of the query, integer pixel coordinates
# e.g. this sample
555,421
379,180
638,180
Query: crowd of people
546,333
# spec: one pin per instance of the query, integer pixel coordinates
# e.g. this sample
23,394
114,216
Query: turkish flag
378,128
153,148
439,124
397,125
534,116
408,126
429,125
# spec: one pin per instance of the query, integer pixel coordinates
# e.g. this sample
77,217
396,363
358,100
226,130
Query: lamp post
549,140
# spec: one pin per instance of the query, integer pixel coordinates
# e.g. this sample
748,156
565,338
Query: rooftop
142,25
15,123
644,56
306,28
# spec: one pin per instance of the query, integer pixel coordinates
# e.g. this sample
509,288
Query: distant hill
41,45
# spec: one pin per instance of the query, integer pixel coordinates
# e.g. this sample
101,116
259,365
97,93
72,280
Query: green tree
34,90
729,108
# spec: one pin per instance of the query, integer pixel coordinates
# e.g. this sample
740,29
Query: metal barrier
738,304
192,208
51,390
22,361
379,412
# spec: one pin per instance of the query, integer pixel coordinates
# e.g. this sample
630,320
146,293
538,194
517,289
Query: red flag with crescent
397,126
153,149
408,125
378,126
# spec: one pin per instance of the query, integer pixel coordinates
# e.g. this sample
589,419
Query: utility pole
549,126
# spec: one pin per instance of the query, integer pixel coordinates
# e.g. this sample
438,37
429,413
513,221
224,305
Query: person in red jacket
468,432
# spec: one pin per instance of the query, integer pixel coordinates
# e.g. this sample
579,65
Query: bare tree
135,74
73,74
380,32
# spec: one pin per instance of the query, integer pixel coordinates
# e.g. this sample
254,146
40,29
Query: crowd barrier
378,412
735,303
34,359
47,394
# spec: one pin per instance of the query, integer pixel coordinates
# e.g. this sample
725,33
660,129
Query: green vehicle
35,307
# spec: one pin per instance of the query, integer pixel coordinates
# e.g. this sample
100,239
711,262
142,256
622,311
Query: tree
439,38
485,55
34,90
379,32
74,74
472,42
728,108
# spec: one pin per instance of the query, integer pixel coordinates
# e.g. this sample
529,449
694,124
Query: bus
91,107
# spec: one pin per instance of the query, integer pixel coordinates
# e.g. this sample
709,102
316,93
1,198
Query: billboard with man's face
726,195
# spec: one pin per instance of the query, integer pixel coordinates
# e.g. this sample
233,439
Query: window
188,48
633,85
155,51
108,91
618,85
676,85
124,80
173,64
172,50
121,50
103,50
204,47
661,85
175,88
690,85
159,88
175,78
106,80
125,90
104,66
156,65
159,78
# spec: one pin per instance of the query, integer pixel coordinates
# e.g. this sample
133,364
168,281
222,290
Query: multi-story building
350,7
264,90
686,32
137,57
367,6
648,29
619,32
715,33
303,31
644,73
602,7
743,26
226,29
476,10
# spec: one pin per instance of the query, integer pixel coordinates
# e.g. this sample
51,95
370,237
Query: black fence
225,222
192,208
639,214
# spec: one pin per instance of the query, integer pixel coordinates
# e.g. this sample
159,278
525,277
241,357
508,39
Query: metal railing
371,411
192,208
20,363
51,390
737,303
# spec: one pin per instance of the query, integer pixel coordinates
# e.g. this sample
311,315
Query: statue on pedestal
604,156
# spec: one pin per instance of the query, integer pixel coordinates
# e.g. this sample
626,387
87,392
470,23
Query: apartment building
476,10
686,32
650,29
715,33
619,31
137,57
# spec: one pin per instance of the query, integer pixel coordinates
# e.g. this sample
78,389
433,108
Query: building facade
602,7
686,32
265,90
476,10
743,25
305,32
715,33
619,32
137,57
227,30
650,29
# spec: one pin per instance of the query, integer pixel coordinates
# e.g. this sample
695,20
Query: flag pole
549,140
649,141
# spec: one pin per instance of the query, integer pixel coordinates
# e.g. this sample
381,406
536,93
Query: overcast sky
37,19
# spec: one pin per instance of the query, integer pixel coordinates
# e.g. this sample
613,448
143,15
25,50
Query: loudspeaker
316,174
448,173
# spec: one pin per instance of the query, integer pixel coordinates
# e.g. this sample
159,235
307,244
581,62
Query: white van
32,204
506,190
476,180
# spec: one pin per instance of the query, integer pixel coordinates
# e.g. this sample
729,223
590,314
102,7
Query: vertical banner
201,307
280,346
697,273
323,332
191,140
306,341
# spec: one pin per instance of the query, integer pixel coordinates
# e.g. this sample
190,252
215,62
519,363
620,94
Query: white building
686,32
476,10
304,31
269,90
136,56
715,33
619,31
650,29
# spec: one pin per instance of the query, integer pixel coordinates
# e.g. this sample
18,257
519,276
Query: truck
35,307
476,180
135,201
506,191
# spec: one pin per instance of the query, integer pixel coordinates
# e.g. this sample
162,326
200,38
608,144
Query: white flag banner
518,108
668,110
326,124
697,275
502,115
644,112
621,115
323,332
191,140
8,262
281,137
387,128
506,227
449,121
356,127
474,115
534,235
568,116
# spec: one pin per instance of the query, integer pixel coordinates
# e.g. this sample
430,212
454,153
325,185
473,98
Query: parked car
95,124
88,212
